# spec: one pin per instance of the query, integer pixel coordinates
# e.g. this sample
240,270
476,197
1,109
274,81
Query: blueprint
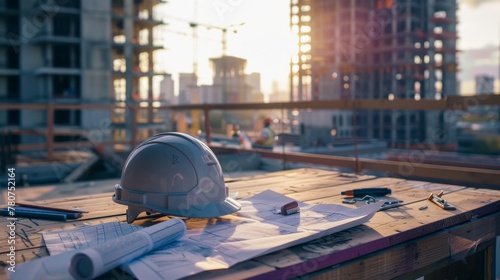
257,229
81,237
89,251
98,259
253,231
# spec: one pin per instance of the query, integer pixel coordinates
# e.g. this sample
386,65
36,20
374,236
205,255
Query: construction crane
233,27
195,114
194,26
195,41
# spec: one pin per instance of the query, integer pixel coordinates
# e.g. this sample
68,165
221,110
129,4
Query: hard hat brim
210,210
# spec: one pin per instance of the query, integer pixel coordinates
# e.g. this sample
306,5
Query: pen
35,215
367,191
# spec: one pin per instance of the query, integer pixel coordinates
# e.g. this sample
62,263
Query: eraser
290,208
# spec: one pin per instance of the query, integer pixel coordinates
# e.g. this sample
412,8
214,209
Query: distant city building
210,94
485,84
278,95
382,49
77,52
167,93
253,81
229,76
235,87
188,82
477,62
479,129
229,85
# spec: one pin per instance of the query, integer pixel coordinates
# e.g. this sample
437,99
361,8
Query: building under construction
74,52
383,49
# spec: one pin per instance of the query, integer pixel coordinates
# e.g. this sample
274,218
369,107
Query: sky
265,40
479,24
478,27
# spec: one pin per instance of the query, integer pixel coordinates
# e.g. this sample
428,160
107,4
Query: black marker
367,191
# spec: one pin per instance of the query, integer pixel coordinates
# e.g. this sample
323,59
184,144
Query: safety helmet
174,174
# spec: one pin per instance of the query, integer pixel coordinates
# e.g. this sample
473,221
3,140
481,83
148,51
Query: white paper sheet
101,247
98,259
81,237
253,231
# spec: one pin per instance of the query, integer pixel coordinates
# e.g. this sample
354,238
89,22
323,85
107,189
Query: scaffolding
136,35
300,64
383,49
88,52
477,175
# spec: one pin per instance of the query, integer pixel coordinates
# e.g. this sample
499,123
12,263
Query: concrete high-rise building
10,68
78,52
376,49
136,37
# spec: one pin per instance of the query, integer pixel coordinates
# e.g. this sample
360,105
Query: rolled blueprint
96,260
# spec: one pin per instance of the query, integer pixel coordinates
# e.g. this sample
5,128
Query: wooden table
407,241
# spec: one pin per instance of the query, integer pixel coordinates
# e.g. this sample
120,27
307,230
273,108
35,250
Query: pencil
69,215
35,215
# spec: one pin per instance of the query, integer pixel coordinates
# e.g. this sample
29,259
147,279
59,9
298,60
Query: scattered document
253,231
114,244
257,229
81,237
98,259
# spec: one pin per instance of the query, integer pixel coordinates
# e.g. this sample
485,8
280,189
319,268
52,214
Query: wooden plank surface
387,228
414,255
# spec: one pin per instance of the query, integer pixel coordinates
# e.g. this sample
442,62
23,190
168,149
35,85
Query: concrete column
128,53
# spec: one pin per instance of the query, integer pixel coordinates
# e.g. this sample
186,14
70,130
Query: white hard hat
174,174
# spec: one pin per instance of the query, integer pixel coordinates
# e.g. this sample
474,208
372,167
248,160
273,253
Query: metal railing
465,174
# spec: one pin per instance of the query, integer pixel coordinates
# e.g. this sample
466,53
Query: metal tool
440,201
391,204
356,199
370,199
388,204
